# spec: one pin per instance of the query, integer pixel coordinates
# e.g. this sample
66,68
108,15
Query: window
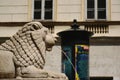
43,9
96,9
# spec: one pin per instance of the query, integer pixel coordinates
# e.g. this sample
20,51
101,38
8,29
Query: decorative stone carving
27,50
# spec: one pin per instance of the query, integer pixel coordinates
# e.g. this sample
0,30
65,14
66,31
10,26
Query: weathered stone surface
7,68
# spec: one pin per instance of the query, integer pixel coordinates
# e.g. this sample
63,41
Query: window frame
96,11
42,11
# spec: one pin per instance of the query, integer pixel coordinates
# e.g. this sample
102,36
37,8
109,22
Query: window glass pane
48,9
48,4
37,4
90,9
102,14
101,3
48,14
37,15
37,9
90,14
90,3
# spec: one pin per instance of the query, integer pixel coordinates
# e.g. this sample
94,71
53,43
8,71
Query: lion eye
46,31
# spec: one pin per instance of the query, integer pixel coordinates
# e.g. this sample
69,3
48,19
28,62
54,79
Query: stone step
34,79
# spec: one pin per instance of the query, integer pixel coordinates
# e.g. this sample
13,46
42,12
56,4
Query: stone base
35,79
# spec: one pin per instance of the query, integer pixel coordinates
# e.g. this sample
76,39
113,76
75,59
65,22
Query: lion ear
35,27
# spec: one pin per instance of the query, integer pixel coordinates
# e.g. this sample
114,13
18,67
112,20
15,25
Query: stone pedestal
35,79
7,69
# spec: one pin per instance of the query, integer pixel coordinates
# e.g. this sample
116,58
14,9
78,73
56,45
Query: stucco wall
115,10
8,31
53,59
104,61
67,10
13,10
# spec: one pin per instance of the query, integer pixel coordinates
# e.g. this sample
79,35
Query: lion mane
29,45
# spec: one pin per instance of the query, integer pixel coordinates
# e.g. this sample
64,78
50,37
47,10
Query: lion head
37,30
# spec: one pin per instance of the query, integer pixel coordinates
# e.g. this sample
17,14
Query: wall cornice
61,23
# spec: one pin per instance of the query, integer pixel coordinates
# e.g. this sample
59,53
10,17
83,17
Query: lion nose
55,37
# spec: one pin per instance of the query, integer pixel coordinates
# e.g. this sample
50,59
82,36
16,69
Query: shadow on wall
101,78
3,39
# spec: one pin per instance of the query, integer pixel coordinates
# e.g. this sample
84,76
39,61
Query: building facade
100,16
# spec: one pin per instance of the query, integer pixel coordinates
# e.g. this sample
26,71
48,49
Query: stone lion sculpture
27,48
